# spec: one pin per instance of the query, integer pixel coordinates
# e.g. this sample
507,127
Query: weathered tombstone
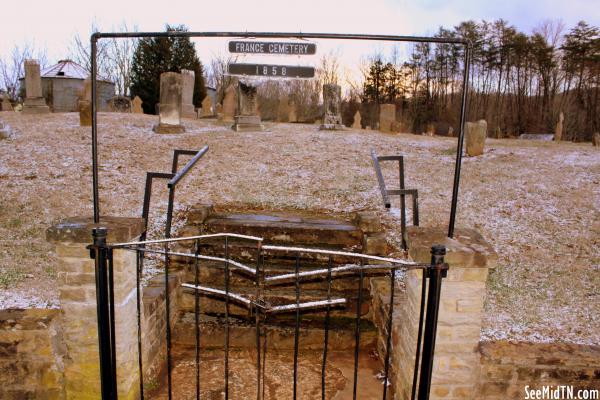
34,102
219,111
387,116
332,105
247,119
450,131
596,139
558,131
207,107
120,104
498,132
136,105
283,109
85,104
429,130
6,104
4,131
293,113
229,103
476,133
188,79
357,120
169,115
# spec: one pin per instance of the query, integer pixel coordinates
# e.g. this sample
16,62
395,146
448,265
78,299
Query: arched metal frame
290,35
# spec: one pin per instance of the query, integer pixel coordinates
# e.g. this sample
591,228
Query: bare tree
114,56
216,75
328,71
12,69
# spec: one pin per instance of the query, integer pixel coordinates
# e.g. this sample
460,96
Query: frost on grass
537,203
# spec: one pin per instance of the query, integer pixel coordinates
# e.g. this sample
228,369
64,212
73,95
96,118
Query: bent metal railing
360,266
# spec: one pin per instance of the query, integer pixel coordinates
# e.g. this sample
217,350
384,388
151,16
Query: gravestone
332,102
136,105
219,111
283,109
476,133
120,104
293,113
207,107
387,116
450,131
34,102
247,119
357,119
6,105
169,114
429,130
229,104
558,131
85,104
596,139
188,79
4,131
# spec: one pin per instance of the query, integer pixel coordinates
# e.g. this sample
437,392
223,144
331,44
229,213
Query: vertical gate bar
95,192
415,199
419,334
257,321
197,316
461,138
402,202
326,339
98,252
168,320
433,304
111,310
138,268
357,330
389,333
297,329
226,318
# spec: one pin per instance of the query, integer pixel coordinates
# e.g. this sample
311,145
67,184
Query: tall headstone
34,102
6,104
596,139
4,130
293,113
188,79
332,105
169,114
357,119
207,107
475,135
136,105
247,119
558,131
387,116
229,104
283,109
85,104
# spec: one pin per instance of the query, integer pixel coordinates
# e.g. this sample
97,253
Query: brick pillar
456,362
78,305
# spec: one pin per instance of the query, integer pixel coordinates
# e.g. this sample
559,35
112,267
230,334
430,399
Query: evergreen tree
154,56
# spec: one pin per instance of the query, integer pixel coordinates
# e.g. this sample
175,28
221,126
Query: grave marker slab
34,102
169,117
248,119
332,101
188,79
136,105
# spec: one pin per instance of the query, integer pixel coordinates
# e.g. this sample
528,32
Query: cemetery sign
281,48
270,70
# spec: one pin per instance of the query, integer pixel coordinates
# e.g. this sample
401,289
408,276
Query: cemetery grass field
538,203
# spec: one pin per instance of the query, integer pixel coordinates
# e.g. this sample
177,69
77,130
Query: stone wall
31,355
507,368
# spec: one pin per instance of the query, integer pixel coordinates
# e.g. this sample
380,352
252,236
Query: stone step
242,333
287,229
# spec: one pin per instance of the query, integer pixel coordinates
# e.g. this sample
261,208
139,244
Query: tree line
519,83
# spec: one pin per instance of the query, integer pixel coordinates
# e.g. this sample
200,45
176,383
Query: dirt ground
538,203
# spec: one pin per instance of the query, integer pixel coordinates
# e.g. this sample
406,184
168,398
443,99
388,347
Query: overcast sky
53,24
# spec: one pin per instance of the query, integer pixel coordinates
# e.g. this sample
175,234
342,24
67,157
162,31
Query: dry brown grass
538,203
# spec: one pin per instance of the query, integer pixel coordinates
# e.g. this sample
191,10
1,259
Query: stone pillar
34,102
332,104
188,78
456,362
169,108
78,305
247,119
